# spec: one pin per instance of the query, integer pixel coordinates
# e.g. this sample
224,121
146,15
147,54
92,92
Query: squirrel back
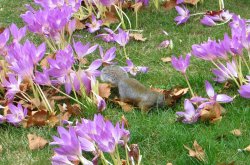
131,90
113,74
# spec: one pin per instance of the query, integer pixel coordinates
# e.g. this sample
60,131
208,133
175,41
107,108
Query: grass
159,136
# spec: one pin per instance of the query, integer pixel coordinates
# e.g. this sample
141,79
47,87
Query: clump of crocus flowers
230,56
96,137
210,18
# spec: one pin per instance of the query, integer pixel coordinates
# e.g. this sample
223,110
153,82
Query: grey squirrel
131,90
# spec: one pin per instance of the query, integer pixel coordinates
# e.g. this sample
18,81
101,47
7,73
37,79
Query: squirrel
130,90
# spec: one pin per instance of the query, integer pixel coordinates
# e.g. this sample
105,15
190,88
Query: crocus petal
209,89
223,98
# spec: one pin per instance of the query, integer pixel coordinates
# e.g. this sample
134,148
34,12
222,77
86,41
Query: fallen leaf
125,106
1,149
110,18
137,6
236,132
137,36
125,121
53,120
79,25
211,113
39,118
168,5
197,152
192,2
247,148
58,98
169,164
166,59
104,90
74,109
36,142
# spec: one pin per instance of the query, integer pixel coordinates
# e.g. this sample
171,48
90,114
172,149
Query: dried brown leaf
125,106
1,149
74,109
79,25
247,148
110,18
104,90
192,2
53,120
211,113
39,118
58,98
36,142
197,152
236,132
168,5
166,59
125,121
137,36
137,6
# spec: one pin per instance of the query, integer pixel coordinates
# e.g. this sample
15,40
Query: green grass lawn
159,136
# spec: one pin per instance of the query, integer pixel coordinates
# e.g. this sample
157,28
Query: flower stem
68,96
125,52
197,14
126,151
189,86
226,73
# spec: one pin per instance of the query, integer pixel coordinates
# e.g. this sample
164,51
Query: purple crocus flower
83,50
190,115
12,85
107,3
104,133
101,104
132,69
4,37
93,71
181,64
245,91
42,78
60,159
17,114
206,20
122,38
213,97
107,37
225,72
61,66
2,119
22,58
71,26
209,50
68,143
144,2
184,15
109,56
179,2
17,34
95,25
47,22
50,3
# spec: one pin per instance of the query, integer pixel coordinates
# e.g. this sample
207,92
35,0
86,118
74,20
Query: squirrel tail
113,74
